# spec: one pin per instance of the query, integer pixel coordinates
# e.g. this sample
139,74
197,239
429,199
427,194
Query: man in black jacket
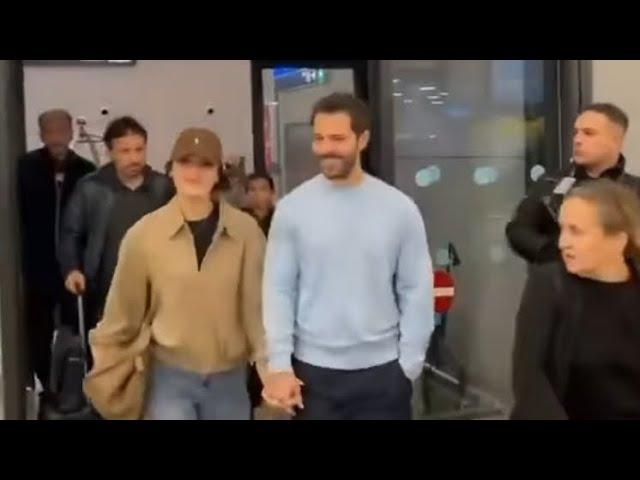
46,178
103,207
597,144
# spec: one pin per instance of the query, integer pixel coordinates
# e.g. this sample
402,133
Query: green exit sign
294,78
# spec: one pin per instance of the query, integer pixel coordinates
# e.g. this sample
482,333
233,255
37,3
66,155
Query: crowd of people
201,307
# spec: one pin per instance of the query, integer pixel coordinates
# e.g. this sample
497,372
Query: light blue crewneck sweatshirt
348,280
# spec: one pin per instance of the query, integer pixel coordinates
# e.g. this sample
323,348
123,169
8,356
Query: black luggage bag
64,398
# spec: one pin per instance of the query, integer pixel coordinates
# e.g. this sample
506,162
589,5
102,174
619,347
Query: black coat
547,323
37,212
533,232
86,219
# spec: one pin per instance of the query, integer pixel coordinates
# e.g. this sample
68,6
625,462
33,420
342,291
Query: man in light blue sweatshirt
347,292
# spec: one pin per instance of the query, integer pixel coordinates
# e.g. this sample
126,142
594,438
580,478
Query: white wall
617,81
164,95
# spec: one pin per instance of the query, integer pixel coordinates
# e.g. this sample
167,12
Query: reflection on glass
441,257
428,176
485,176
536,172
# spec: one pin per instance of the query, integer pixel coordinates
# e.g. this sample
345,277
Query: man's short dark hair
54,113
261,176
345,103
611,111
121,127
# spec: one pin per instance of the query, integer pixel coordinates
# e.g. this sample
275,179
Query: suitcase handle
81,329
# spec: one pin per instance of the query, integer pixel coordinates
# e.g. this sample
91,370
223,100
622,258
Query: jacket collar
67,164
173,219
633,264
108,174
580,173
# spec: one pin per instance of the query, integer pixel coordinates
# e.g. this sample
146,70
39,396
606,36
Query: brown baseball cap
198,141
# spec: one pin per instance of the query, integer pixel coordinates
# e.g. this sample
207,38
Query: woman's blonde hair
618,208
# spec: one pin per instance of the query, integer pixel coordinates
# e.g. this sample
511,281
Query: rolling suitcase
65,399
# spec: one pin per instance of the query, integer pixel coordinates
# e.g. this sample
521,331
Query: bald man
46,178
599,134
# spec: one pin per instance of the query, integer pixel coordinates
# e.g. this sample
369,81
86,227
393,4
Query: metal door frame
575,91
12,145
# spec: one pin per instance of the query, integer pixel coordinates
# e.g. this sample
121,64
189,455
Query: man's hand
283,390
76,282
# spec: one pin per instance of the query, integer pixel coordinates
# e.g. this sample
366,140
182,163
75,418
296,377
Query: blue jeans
177,394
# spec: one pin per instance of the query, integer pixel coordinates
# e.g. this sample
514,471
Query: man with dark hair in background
597,153
46,178
103,207
260,199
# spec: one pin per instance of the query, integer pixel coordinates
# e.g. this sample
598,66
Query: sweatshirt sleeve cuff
412,367
280,363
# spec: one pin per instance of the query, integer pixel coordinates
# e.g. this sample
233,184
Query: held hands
283,390
76,282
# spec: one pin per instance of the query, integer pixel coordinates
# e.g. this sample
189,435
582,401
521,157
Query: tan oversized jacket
203,321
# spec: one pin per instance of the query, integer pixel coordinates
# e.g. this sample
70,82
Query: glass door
464,139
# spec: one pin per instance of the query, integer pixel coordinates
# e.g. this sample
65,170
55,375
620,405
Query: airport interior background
463,138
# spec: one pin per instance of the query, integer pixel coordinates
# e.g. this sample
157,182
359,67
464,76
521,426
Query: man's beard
346,166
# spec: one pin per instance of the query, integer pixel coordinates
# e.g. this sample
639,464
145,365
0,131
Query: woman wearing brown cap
183,316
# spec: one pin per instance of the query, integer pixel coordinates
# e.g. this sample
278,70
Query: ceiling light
427,89
397,94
